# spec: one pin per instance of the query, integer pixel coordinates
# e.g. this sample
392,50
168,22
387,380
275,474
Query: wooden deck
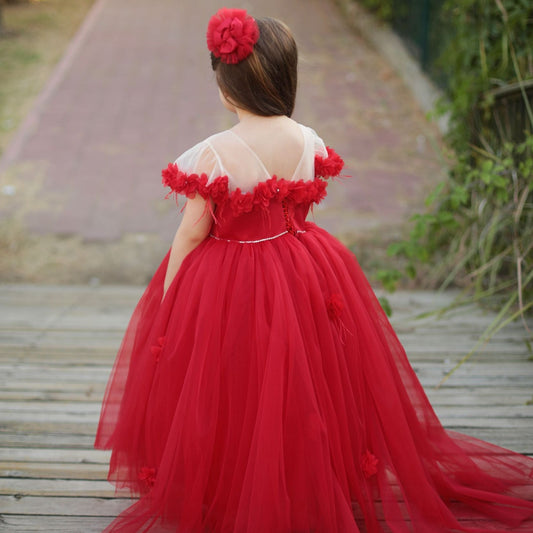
56,348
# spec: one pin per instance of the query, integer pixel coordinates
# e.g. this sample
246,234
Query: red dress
268,393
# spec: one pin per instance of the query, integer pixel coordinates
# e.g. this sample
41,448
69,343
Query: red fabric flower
299,191
329,166
147,475
369,464
169,175
335,306
241,203
320,190
183,183
281,188
264,192
156,348
218,189
294,191
231,35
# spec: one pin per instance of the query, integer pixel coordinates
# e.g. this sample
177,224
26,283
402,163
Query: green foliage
385,305
477,230
381,8
490,45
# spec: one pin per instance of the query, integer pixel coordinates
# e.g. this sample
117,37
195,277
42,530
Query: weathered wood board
57,345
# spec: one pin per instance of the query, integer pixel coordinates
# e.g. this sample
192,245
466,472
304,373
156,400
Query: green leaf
385,305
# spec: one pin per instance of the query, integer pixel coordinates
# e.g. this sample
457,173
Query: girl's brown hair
265,82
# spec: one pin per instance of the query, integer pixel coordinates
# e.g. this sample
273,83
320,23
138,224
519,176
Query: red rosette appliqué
369,464
320,191
169,175
241,202
300,191
264,192
183,183
282,188
147,476
335,306
190,184
231,35
329,166
218,189
156,348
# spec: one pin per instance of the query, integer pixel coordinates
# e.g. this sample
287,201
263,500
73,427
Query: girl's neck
246,117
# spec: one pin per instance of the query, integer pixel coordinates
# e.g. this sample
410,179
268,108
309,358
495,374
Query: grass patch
35,36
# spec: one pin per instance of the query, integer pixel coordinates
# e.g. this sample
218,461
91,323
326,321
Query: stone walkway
135,89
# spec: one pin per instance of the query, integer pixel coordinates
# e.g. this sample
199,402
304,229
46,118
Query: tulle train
268,393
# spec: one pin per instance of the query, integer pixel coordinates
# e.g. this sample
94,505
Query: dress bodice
247,204
259,225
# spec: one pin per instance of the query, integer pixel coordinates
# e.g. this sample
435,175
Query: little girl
260,388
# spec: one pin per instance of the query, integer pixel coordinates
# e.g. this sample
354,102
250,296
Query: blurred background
98,96
428,102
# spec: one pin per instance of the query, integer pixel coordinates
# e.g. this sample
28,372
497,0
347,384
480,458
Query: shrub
477,232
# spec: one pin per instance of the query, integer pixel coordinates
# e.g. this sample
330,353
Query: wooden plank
83,411
59,396
33,469
104,355
56,524
67,506
50,407
68,340
522,412
512,440
52,455
515,373
58,428
62,425
62,506
53,375
47,419
45,440
63,353
479,370
73,375
460,396
56,487
490,396
89,524
70,425
51,386
464,423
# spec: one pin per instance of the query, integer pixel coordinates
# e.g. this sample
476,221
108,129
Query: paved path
135,89
57,345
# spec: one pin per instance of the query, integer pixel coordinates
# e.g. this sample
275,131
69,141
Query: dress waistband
253,242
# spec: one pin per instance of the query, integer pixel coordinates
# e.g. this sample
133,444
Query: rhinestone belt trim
253,242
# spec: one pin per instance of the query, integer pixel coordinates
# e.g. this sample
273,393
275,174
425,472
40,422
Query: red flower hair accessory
231,35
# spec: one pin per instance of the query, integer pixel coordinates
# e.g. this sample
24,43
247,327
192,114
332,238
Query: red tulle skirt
268,393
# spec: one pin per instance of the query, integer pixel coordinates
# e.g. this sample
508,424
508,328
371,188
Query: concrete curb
392,48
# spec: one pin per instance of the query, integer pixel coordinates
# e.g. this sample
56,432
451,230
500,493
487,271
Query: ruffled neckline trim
275,188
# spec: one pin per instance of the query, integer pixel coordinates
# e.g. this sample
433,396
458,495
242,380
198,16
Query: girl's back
278,142
255,151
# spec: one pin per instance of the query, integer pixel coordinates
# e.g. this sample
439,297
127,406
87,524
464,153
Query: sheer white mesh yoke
227,154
